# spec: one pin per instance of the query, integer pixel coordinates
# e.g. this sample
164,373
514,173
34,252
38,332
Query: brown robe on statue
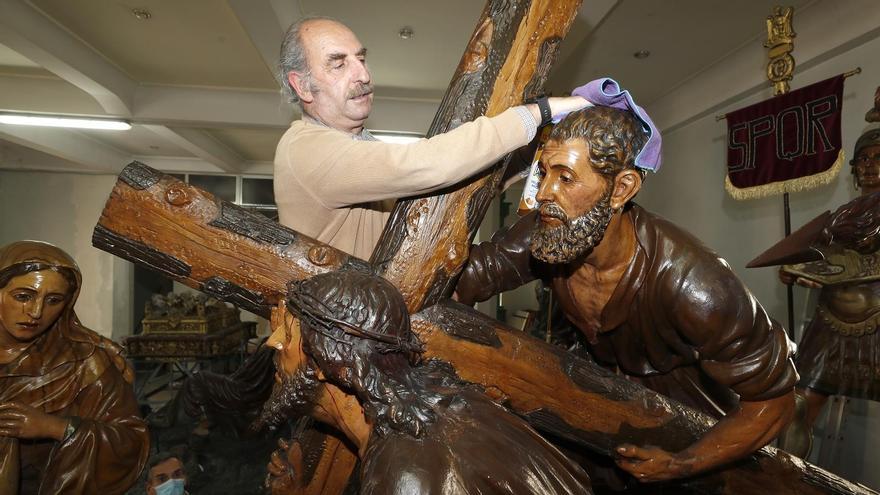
474,447
680,321
71,371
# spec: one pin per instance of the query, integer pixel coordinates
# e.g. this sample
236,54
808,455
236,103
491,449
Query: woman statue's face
30,304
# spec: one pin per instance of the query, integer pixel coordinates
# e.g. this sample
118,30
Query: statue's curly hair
614,137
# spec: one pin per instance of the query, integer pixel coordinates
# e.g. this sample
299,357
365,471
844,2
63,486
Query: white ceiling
682,41
11,59
197,78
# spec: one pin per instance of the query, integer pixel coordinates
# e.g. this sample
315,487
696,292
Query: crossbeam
239,256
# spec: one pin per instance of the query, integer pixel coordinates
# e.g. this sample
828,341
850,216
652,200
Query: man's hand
21,421
651,463
563,105
560,106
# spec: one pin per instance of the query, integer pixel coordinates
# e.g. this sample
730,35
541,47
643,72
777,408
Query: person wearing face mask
166,475
68,417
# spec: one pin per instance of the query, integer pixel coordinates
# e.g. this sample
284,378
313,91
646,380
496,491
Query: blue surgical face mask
174,486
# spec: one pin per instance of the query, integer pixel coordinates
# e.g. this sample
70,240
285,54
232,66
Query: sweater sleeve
340,171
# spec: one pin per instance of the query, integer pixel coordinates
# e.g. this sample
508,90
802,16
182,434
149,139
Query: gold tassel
790,186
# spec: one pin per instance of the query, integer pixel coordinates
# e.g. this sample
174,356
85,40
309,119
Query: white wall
63,209
689,189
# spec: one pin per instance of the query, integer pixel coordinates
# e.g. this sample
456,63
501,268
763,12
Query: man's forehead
570,152
165,466
330,38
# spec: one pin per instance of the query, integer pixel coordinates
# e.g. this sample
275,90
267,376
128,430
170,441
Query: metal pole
789,289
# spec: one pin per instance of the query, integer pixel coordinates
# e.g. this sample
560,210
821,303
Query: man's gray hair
293,55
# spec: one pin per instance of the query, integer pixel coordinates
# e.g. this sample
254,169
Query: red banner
780,144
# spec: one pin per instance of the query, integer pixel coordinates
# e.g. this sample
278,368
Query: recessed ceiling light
59,121
406,33
141,14
642,54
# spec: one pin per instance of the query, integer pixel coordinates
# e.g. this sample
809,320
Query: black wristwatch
544,108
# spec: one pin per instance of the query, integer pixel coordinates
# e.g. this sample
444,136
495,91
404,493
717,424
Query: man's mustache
360,90
553,210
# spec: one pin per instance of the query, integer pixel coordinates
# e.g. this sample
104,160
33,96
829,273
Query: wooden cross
225,251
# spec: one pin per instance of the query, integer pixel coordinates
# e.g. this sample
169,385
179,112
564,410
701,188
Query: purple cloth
607,93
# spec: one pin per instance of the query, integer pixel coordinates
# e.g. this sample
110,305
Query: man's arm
340,171
738,346
744,430
502,264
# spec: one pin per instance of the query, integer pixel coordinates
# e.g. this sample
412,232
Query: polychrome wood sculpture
220,249
68,417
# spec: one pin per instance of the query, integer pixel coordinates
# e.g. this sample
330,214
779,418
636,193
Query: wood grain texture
594,407
165,224
208,244
425,242
556,391
585,404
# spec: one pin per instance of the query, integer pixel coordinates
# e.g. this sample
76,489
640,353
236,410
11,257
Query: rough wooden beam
157,221
426,241
239,256
583,403
214,246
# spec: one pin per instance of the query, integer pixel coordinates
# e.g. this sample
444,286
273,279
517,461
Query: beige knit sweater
335,188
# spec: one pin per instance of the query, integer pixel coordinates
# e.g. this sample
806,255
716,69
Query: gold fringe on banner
790,186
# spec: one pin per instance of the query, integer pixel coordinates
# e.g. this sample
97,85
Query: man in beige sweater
333,180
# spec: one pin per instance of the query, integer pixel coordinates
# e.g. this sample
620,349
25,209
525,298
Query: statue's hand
789,278
282,477
810,284
785,277
651,463
21,421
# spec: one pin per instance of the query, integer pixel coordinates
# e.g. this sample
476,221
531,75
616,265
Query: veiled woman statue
68,417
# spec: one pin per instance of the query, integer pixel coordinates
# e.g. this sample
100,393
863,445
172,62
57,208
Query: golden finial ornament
780,42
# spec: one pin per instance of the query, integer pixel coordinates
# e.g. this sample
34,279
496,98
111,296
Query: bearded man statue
653,302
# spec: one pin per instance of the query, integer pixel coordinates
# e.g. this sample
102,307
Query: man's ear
626,184
301,86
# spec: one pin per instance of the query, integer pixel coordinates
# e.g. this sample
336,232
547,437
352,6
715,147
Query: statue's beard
573,238
293,397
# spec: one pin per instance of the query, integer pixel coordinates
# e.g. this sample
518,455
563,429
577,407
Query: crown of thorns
361,305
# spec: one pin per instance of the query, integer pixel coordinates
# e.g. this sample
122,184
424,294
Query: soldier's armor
852,310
